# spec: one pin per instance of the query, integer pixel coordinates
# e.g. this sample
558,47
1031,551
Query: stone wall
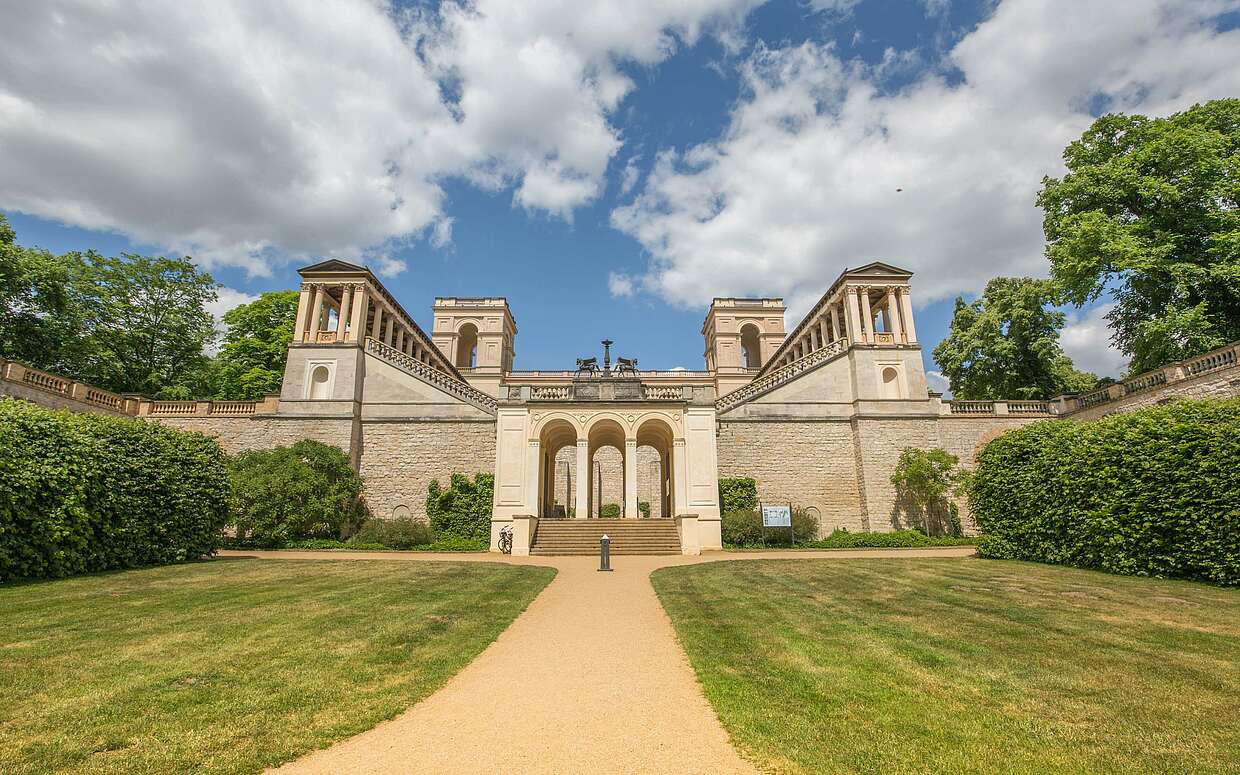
399,460
242,434
1224,383
810,463
53,400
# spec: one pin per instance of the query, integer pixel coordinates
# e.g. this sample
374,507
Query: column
299,325
376,330
387,336
342,317
357,324
680,482
835,322
867,314
400,339
583,478
533,461
906,306
824,331
630,478
893,315
316,313
853,317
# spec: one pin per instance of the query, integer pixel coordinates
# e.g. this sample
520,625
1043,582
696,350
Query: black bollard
604,553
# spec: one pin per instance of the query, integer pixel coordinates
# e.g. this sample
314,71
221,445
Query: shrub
643,508
462,510
1151,493
924,479
744,528
842,539
308,490
400,533
82,493
609,510
737,494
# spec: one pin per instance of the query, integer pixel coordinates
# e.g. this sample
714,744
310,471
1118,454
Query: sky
608,166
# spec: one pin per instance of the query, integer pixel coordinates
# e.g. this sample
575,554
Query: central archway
656,434
606,454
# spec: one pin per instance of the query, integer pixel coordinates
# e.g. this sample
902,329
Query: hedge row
82,493
1151,493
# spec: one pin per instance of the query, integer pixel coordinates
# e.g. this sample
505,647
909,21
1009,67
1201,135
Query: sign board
776,516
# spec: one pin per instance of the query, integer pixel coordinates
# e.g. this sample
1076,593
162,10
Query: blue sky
613,164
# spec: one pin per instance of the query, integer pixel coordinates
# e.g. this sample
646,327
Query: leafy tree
250,365
924,480
308,490
1150,208
37,321
1006,345
144,320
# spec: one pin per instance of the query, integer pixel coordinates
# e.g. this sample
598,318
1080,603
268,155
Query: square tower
477,334
741,335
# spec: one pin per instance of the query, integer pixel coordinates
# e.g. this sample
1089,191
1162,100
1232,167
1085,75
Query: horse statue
588,365
626,365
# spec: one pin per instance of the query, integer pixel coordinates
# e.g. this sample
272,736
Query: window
890,387
467,346
751,347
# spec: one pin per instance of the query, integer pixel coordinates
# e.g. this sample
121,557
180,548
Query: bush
737,494
1151,493
842,539
609,510
643,508
401,533
82,493
744,528
308,490
924,479
464,509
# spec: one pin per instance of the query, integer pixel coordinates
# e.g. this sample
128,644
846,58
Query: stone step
564,537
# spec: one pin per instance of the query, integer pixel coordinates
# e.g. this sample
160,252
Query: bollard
604,553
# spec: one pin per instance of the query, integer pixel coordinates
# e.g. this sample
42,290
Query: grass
962,665
230,666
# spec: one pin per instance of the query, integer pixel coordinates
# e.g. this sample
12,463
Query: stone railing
662,392
208,408
1043,408
442,380
883,337
550,392
1215,360
781,375
325,336
42,381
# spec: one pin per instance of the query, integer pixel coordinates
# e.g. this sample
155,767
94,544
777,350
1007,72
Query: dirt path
589,679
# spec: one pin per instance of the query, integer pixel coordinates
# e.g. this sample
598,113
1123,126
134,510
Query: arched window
751,346
400,512
320,382
891,383
467,346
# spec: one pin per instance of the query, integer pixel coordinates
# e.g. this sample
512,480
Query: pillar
377,328
835,323
303,304
316,313
680,481
853,319
630,478
357,323
533,461
387,336
893,315
824,331
906,306
583,478
342,317
400,340
867,314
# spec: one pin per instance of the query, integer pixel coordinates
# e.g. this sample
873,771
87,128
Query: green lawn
233,665
962,665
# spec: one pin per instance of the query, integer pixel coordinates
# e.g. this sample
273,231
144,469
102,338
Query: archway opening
751,346
556,442
467,346
320,382
606,456
654,459
890,387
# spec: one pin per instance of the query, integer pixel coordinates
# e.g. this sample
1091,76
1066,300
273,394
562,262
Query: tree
1006,345
1149,211
924,479
37,322
250,364
145,322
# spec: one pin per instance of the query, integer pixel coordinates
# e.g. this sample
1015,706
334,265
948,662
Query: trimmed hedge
896,539
464,509
81,493
1151,493
737,493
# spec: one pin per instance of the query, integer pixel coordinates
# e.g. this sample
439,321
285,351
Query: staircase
628,536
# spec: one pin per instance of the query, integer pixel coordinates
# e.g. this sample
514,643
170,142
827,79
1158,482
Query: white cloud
226,299
620,285
1086,338
823,166
935,8
251,133
632,173
939,383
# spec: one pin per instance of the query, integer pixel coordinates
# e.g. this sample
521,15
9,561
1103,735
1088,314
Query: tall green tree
250,364
1006,345
1150,209
144,321
38,324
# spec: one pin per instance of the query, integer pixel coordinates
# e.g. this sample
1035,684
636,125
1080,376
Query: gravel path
589,678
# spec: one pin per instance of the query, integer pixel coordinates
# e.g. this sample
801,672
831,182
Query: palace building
817,413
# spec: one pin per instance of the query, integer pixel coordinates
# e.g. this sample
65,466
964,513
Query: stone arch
554,434
320,382
889,382
606,433
467,345
657,432
751,346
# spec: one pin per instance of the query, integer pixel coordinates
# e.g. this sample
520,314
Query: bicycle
505,539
